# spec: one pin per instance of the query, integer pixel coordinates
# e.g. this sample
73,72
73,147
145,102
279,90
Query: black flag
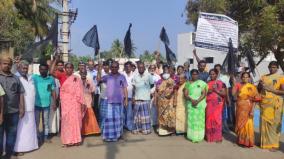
164,37
230,63
127,42
170,55
91,39
251,62
40,46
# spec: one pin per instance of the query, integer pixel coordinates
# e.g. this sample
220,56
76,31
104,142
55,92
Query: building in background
185,46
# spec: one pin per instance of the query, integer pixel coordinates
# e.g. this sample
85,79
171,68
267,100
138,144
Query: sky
112,18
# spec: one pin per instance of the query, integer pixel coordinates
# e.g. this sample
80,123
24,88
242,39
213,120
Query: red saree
213,125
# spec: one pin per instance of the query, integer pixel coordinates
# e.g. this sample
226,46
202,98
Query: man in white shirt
142,82
128,112
93,73
27,133
153,108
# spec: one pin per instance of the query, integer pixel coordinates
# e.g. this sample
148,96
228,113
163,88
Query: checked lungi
142,117
128,115
103,111
113,122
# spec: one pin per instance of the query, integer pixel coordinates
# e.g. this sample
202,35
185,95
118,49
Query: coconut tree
39,12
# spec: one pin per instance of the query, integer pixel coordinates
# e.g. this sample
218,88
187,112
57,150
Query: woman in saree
90,125
215,102
72,106
271,107
246,95
165,96
180,106
195,95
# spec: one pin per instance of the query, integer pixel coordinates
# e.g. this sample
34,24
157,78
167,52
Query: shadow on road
231,137
112,148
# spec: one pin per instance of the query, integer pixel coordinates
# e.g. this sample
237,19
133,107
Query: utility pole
68,17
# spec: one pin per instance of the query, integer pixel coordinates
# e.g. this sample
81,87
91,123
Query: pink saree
71,95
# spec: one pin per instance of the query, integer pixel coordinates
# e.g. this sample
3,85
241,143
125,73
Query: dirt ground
152,147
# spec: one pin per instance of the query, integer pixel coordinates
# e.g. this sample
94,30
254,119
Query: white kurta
26,133
54,117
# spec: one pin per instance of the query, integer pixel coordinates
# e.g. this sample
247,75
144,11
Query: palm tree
39,12
116,49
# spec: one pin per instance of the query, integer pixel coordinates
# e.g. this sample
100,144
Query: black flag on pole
230,63
91,39
170,55
164,37
127,42
251,62
40,46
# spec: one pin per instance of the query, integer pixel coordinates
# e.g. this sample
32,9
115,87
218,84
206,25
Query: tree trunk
279,55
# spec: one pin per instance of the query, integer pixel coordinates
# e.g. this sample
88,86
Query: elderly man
13,106
142,83
93,73
103,96
128,112
81,68
26,135
153,107
116,93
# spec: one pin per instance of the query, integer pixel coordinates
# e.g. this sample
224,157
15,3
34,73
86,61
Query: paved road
152,147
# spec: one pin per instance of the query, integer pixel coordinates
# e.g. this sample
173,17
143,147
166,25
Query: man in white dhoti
54,118
26,134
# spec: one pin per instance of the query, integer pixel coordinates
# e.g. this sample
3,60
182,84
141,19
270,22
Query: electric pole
68,17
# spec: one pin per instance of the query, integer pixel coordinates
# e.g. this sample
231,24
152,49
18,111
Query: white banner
214,30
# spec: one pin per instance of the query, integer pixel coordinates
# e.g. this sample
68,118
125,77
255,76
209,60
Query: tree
261,23
147,57
116,51
22,21
40,13
76,59
106,55
150,57
13,27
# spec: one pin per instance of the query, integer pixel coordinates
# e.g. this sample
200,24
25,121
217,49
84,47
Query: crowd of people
99,99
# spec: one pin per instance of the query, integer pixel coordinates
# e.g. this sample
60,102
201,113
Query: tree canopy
116,51
149,57
261,23
23,21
